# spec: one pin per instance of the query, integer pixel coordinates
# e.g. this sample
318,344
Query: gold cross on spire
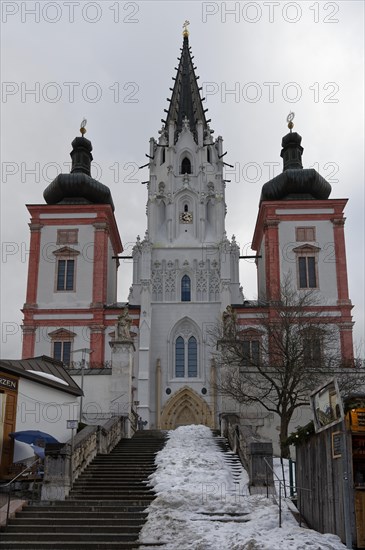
82,127
185,27
290,119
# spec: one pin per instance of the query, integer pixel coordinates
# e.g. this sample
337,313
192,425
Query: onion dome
295,182
78,187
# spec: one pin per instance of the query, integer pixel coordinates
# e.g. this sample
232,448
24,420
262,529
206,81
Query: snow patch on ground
203,503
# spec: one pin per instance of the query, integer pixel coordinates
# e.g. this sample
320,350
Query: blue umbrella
38,451
33,436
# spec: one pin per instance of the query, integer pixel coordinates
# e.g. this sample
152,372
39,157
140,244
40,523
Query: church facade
185,269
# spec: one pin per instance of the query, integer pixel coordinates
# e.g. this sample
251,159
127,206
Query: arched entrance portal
186,407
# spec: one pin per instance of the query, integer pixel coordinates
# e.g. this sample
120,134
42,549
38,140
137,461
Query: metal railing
10,484
282,486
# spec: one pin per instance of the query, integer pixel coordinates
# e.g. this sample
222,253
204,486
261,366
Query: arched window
185,166
163,157
192,357
186,357
185,289
208,154
180,358
186,208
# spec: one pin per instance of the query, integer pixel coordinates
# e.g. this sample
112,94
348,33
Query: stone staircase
106,508
232,460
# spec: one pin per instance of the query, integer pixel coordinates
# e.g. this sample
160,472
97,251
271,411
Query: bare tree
293,348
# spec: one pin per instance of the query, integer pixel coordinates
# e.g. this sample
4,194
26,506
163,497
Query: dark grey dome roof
303,183
78,187
295,182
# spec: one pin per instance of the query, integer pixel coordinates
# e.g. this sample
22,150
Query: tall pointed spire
185,102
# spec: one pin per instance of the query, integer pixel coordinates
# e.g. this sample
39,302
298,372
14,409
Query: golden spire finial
82,127
290,119
185,27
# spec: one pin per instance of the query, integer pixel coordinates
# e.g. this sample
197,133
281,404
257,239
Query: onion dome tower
72,274
78,187
295,182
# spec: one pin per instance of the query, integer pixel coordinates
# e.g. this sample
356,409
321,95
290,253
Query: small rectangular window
305,234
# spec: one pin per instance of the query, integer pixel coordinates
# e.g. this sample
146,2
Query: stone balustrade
65,462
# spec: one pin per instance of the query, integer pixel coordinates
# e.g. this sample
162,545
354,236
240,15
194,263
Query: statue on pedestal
229,322
123,326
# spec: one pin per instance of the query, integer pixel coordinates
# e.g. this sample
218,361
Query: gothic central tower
185,269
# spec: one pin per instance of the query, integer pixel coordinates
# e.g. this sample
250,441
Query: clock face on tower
186,217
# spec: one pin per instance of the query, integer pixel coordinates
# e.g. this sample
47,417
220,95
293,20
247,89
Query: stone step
136,501
131,520
110,482
68,516
120,468
105,489
66,536
91,504
86,528
129,460
74,545
106,508
94,474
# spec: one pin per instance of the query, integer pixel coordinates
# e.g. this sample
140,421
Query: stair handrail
281,484
9,484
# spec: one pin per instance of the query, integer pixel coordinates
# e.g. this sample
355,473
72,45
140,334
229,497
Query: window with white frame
307,266
65,269
61,344
62,351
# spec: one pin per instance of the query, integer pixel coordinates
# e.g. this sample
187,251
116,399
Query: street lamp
84,352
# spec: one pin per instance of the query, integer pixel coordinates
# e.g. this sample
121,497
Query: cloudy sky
112,62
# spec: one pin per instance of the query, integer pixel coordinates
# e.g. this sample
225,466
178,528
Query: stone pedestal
121,394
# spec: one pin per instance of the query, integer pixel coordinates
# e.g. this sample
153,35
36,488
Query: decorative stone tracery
186,407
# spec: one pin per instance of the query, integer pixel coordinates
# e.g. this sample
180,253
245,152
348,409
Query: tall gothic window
185,166
186,357
180,357
185,289
162,155
192,357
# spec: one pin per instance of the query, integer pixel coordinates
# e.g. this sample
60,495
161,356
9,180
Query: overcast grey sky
112,62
